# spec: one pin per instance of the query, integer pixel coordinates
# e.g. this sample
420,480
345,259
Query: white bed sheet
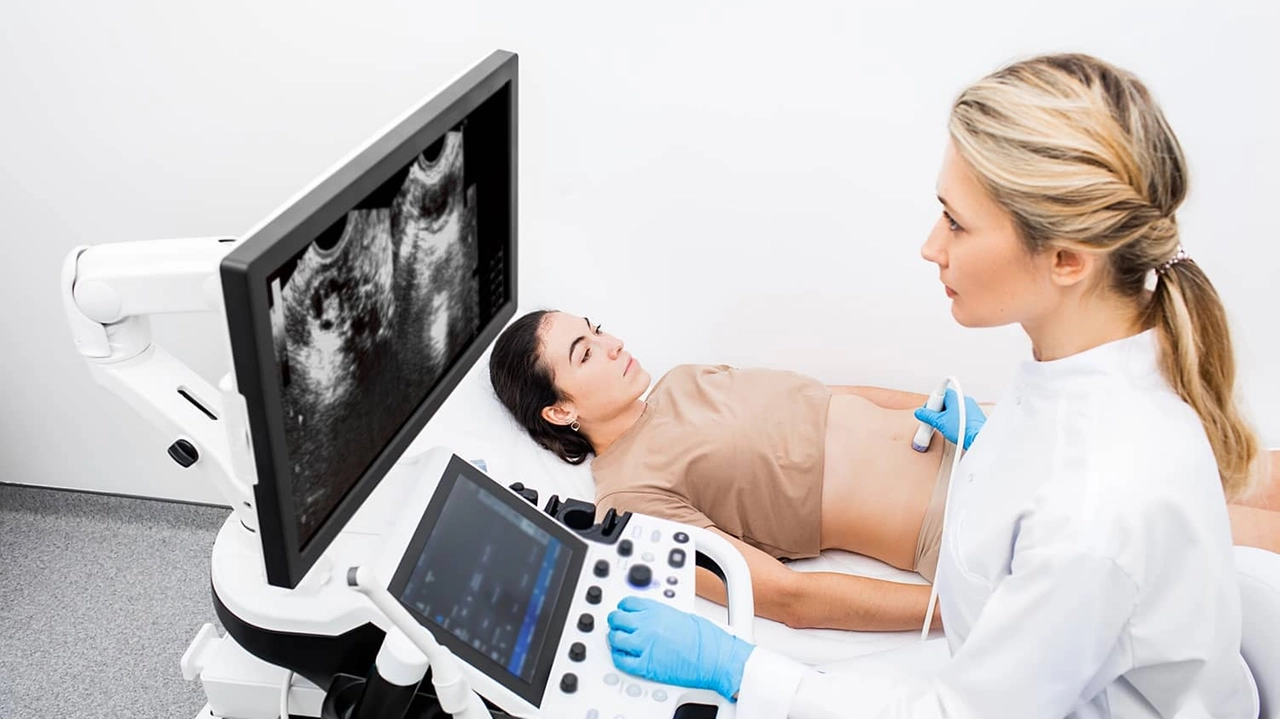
474,425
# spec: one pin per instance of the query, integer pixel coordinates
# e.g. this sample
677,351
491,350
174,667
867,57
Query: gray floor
99,598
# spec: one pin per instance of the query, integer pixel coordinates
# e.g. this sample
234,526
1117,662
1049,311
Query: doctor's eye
951,223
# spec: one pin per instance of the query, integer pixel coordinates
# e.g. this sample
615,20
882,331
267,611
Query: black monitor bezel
245,275
534,690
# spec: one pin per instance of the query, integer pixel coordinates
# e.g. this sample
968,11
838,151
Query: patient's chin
642,380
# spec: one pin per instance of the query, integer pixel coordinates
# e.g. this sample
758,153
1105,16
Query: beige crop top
738,449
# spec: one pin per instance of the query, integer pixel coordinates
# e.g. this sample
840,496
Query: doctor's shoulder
1139,449
1166,435
1151,470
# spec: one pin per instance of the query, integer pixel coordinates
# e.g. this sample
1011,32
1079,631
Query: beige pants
929,542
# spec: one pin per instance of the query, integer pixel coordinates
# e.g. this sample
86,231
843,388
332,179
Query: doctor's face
591,367
983,264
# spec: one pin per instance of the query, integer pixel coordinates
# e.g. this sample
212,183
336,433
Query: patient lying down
777,463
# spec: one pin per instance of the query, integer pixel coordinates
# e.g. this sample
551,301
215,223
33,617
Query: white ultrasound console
523,601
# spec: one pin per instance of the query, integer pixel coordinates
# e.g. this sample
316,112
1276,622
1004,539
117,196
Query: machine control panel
587,682
523,601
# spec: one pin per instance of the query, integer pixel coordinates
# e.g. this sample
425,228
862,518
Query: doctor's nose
934,249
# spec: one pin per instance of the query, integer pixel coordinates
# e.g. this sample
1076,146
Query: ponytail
1198,361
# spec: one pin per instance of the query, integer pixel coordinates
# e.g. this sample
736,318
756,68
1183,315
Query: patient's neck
604,433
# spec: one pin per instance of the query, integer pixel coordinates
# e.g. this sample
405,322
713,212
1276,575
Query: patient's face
987,271
591,366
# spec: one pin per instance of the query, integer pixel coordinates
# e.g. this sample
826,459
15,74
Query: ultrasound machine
346,589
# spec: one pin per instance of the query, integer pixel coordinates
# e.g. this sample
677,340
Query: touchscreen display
490,577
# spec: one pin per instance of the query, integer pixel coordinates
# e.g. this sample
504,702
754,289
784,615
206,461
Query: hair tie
1178,256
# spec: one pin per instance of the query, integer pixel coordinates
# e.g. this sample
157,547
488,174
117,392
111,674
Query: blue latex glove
657,642
947,420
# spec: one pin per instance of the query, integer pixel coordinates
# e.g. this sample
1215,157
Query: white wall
722,182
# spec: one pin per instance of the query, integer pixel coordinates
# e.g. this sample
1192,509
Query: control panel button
594,594
681,538
656,536
586,623
676,558
602,568
673,580
594,713
647,556
611,680
624,547
659,695
669,593
569,683
640,576
577,651
634,690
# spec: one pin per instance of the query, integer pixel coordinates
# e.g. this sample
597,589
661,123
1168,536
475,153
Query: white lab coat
1086,568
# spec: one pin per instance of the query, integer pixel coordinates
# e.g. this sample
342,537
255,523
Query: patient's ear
560,414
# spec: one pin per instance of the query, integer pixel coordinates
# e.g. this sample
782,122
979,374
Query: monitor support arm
108,292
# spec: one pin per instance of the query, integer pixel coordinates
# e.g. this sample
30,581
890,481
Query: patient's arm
884,397
1266,492
892,398
1255,517
806,600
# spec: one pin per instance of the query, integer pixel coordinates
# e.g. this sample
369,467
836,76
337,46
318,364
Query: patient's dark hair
525,385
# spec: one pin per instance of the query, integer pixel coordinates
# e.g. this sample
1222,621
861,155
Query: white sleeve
1040,647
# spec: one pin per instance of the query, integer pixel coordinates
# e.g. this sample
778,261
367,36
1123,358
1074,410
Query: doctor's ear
558,414
1069,267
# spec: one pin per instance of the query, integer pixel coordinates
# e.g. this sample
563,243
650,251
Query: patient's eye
587,352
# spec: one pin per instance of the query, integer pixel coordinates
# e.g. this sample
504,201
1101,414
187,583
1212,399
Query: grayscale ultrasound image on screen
367,318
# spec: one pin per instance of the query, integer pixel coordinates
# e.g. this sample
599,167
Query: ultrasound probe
924,435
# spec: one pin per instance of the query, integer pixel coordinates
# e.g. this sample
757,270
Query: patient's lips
627,369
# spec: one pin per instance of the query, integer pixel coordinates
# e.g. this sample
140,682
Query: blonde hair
1082,157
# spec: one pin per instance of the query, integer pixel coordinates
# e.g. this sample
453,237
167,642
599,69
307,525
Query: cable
284,695
946,502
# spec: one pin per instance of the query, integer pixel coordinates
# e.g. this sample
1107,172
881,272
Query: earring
574,425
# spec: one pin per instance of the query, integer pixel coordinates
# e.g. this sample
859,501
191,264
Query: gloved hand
655,641
947,420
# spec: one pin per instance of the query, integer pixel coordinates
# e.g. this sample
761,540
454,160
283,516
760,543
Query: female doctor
1086,567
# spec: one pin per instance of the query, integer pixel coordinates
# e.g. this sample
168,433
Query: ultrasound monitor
492,578
356,309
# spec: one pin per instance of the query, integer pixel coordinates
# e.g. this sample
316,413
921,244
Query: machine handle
452,688
737,578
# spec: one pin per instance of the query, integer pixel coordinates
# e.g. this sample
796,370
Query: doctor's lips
950,292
